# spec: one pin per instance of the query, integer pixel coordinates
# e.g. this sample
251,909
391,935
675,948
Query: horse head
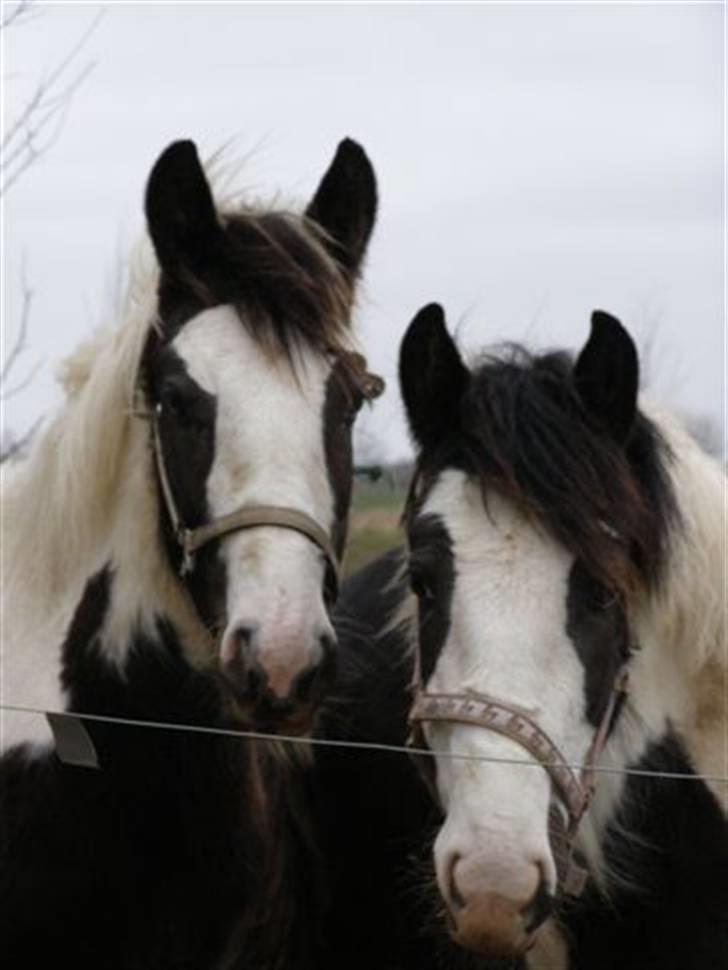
537,519
252,385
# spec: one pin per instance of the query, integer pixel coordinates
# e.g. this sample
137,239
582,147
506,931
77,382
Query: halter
482,710
254,516
576,792
245,517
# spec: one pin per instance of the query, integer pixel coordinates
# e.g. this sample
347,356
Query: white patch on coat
507,638
95,463
269,450
59,506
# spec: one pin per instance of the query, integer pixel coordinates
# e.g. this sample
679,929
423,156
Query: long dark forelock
524,433
273,267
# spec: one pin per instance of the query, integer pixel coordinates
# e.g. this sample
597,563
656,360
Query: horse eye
422,587
178,400
602,598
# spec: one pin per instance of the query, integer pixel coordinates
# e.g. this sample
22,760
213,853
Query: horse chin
286,721
492,947
496,951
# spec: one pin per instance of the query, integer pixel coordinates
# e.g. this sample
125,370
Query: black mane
522,430
273,267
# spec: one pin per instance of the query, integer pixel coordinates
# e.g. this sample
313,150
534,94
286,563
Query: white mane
58,504
680,675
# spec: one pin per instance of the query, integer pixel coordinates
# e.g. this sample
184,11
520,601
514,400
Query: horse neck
679,676
104,516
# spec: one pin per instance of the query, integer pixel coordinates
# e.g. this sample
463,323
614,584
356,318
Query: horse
552,643
171,550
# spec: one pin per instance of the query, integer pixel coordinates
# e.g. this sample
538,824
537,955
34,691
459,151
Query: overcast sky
534,162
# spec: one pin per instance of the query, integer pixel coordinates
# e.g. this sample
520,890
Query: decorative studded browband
576,792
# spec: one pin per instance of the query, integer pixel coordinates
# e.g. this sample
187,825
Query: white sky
534,162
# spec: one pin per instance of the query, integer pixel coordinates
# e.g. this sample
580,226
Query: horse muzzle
277,682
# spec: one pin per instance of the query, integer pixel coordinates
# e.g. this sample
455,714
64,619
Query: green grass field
374,525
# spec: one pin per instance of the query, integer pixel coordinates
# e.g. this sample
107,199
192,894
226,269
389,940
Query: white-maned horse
170,554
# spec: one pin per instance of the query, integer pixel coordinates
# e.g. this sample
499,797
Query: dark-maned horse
182,519
561,603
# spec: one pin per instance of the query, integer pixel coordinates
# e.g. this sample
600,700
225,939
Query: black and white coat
180,851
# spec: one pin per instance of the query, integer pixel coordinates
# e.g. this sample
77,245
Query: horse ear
345,204
180,210
432,376
606,375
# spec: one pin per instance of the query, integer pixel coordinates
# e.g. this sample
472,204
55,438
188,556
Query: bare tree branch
40,122
18,446
21,10
22,334
25,382
27,139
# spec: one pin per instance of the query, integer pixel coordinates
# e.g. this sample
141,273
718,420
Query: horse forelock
643,516
523,433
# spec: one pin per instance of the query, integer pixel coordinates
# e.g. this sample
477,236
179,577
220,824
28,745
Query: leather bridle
191,540
245,517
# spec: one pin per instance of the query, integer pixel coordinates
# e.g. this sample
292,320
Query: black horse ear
606,375
432,377
180,210
345,204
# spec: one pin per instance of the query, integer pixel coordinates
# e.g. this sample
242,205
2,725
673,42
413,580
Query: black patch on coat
669,840
597,625
432,578
186,422
85,627
182,848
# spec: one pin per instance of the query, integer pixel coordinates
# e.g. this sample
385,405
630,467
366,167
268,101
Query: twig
21,337
47,107
21,9
21,443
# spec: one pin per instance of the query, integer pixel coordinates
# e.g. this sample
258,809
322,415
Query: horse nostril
456,899
538,907
238,644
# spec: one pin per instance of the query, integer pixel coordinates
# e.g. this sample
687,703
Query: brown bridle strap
486,712
246,517
512,722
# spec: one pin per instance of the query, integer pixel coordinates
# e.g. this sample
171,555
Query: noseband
190,541
245,517
575,791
